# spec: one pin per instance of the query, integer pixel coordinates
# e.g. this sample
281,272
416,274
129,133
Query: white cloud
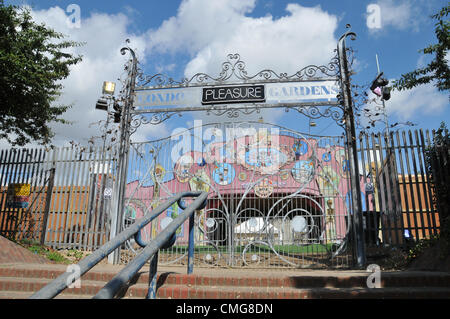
104,35
276,44
197,22
400,14
210,30
421,100
207,30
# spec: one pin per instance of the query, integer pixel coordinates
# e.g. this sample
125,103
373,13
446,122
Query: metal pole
352,151
124,147
190,268
153,275
48,199
384,105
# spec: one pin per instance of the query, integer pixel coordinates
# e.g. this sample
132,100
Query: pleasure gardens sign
234,92
271,93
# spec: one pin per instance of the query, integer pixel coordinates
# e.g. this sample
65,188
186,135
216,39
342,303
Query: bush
438,166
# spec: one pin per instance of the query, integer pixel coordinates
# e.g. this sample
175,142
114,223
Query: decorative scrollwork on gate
154,119
235,67
314,112
232,113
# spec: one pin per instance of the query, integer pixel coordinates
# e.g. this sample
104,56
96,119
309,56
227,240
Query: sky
183,37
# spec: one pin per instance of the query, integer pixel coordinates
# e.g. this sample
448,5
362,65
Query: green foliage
57,257
33,61
76,254
421,246
438,165
438,69
43,251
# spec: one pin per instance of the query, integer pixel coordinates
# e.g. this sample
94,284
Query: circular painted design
210,222
200,181
264,189
284,174
303,171
265,160
326,157
253,222
201,161
299,224
300,148
242,176
182,168
224,174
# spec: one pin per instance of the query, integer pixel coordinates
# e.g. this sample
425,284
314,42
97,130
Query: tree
32,64
438,69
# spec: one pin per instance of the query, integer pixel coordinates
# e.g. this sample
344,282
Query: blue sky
183,37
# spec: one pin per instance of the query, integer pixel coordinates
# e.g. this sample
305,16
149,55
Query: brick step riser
85,290
179,292
192,293
299,282
36,286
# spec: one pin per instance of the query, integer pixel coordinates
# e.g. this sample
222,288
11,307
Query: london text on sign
233,94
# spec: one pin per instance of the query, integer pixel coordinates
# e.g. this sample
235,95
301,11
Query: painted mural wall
260,166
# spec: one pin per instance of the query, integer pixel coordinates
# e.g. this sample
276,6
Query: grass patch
45,252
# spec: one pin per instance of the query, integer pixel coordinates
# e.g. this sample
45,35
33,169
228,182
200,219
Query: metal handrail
63,281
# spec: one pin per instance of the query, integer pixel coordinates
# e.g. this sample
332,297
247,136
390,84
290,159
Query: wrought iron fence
297,214
75,213
398,203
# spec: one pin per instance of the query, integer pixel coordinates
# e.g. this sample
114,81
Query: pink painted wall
328,161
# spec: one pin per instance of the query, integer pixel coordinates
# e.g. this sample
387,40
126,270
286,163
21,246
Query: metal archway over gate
277,197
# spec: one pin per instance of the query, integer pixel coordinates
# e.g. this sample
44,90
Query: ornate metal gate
277,197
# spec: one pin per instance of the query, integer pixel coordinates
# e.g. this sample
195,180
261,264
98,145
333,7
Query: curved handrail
126,274
63,281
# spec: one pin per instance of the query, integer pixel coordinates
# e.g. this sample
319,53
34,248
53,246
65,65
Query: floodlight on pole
102,104
109,88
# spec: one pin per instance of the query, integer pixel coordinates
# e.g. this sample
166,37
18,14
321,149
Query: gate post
122,166
357,220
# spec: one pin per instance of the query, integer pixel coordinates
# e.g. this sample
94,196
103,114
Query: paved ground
11,252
